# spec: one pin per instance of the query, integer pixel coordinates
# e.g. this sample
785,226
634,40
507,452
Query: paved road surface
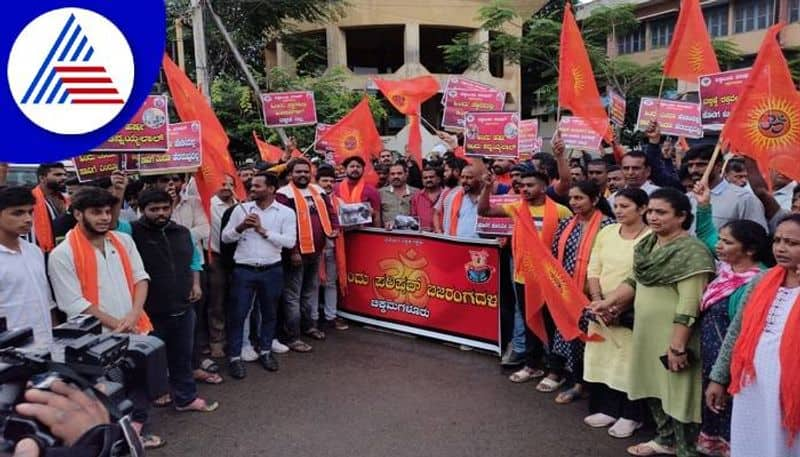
365,393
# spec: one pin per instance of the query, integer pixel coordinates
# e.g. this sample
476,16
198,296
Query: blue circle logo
76,74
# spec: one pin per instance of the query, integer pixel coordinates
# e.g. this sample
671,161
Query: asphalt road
365,393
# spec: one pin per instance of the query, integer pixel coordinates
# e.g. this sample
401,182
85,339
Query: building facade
397,40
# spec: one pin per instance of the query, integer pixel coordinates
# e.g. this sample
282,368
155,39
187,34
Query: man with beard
728,202
317,222
386,158
382,171
516,175
616,179
636,171
597,172
50,204
217,278
354,190
99,272
173,264
502,169
424,201
396,197
25,295
578,173
452,171
460,207
261,229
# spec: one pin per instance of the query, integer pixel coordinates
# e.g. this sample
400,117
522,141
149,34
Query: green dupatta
679,259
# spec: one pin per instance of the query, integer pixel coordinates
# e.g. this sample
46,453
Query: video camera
109,365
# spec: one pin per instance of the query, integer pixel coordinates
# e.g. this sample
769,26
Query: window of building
375,50
794,10
661,32
431,55
632,42
717,20
752,15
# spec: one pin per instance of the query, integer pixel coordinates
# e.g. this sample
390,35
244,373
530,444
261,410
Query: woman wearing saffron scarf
759,361
572,246
742,248
670,271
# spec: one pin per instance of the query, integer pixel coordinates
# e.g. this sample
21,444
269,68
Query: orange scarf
304,228
548,232
455,208
43,228
85,263
585,249
754,320
351,195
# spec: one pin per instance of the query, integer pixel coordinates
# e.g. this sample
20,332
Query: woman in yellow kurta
606,362
670,270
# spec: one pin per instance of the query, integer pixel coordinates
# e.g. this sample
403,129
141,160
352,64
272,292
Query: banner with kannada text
460,102
500,226
425,284
147,131
289,109
616,108
718,93
578,134
184,155
529,141
492,135
674,118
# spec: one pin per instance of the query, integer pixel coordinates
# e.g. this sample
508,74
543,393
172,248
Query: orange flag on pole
355,134
406,96
269,153
577,89
549,282
191,105
765,121
690,52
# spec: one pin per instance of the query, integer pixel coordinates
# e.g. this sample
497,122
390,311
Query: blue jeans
267,285
518,335
177,333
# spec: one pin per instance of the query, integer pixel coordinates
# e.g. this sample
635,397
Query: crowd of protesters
693,283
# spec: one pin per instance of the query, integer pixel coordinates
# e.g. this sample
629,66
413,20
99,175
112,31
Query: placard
529,141
492,135
616,108
718,93
674,118
460,83
289,109
147,131
320,145
500,226
461,102
184,155
91,166
578,134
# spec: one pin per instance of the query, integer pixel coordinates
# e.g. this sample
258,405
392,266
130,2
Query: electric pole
200,56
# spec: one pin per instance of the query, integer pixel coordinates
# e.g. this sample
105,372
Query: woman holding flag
572,246
670,271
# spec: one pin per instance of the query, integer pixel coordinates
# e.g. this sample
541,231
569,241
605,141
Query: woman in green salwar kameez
670,271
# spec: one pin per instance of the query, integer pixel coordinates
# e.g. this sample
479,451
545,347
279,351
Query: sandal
150,441
162,402
548,385
316,333
208,378
526,374
651,448
566,397
209,366
199,405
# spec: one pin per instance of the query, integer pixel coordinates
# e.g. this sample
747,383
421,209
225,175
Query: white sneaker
249,354
279,348
599,420
624,428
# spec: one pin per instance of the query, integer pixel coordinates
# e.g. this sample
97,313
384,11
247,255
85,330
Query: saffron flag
577,89
355,134
690,52
191,105
548,283
765,121
269,153
406,96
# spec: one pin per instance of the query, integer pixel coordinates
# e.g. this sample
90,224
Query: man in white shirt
25,294
261,228
217,279
636,170
784,190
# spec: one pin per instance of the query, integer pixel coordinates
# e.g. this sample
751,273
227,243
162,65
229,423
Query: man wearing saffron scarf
50,203
326,177
460,206
355,190
316,223
99,272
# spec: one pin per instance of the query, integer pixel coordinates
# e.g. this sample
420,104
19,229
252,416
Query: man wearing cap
355,190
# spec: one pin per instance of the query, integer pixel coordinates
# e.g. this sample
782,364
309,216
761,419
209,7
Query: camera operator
79,420
25,295
97,272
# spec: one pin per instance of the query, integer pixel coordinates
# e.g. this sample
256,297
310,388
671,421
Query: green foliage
463,54
727,53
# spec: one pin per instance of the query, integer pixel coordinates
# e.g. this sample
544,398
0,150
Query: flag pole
711,163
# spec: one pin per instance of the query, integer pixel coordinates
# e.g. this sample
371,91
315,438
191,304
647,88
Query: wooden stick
711,163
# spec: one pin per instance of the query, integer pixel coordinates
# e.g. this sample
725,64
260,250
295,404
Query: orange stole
304,227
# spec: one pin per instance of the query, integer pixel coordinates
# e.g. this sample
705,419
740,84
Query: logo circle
774,123
70,71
